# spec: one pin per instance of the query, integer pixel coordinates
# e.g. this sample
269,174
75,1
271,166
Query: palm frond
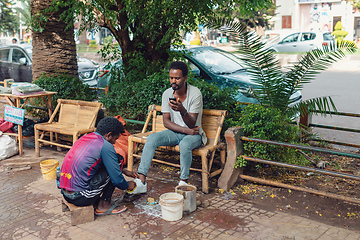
275,88
313,62
323,104
262,65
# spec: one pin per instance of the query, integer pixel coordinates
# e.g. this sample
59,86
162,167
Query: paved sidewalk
30,209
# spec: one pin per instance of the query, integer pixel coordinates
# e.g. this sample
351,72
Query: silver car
303,42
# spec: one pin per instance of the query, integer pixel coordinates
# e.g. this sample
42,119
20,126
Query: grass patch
86,48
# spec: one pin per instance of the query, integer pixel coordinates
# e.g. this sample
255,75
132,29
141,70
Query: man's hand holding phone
172,99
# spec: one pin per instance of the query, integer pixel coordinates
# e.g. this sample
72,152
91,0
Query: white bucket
172,206
189,193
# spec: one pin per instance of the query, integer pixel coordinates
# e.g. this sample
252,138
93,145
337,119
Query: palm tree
275,87
24,10
54,48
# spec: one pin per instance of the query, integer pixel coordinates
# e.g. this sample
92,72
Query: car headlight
86,74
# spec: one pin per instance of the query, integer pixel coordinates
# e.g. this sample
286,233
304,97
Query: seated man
182,107
91,171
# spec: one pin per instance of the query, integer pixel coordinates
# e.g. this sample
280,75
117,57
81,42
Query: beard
174,86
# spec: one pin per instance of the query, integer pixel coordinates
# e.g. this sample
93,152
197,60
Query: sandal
110,211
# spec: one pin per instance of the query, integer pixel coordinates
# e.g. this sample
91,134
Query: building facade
316,15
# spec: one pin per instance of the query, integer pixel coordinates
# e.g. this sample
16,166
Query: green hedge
269,124
67,87
131,100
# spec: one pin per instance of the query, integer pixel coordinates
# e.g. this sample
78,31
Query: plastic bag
8,146
21,88
6,126
27,128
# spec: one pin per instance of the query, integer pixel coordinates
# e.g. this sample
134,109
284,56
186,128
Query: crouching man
92,169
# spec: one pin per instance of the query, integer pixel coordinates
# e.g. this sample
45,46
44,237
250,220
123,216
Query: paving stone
32,211
328,237
30,237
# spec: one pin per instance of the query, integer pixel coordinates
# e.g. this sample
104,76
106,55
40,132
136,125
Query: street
341,82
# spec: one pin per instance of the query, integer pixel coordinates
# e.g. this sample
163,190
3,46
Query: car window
17,55
4,55
29,51
307,36
218,62
193,67
328,37
291,38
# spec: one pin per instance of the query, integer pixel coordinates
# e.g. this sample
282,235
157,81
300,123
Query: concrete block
79,215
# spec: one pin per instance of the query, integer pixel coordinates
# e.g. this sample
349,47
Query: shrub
267,123
67,87
132,99
217,98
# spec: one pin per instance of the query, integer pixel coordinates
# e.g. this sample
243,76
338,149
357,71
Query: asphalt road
342,83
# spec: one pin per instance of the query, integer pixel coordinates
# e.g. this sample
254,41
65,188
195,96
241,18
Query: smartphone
172,98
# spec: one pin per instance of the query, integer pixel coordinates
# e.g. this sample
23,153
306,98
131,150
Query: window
16,55
286,21
335,20
307,36
291,38
218,62
4,55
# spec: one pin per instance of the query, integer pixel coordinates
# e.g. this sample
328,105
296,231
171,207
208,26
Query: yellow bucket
48,168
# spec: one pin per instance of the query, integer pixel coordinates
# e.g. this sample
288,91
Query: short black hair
109,124
181,66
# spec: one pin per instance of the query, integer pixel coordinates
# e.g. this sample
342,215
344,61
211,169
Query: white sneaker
140,187
181,183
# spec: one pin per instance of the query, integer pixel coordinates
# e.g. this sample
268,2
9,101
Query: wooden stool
79,215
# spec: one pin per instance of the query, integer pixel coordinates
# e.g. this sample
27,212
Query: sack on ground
121,144
6,126
27,128
8,146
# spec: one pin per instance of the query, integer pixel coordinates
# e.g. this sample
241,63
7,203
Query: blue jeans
169,138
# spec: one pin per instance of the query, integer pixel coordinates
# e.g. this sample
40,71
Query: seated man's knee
152,140
186,146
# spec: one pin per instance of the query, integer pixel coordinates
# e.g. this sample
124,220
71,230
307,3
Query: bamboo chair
212,122
75,119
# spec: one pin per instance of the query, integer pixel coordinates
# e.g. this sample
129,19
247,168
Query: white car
303,42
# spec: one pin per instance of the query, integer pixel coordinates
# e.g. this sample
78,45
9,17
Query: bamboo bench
75,119
212,121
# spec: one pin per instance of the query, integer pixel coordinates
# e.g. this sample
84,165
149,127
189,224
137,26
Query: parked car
214,66
303,42
16,61
8,40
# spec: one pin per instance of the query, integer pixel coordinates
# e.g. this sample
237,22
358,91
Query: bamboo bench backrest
211,123
78,113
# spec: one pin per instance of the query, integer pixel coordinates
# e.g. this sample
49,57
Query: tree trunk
54,49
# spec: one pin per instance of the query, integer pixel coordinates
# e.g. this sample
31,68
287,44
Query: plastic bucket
48,168
189,193
171,206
